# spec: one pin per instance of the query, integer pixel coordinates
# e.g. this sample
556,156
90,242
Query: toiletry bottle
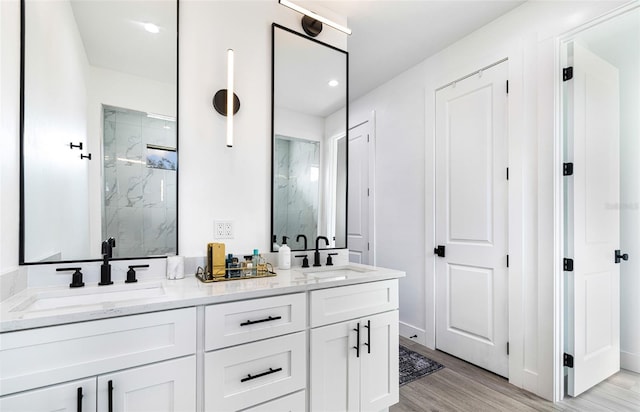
255,262
248,266
276,246
284,255
228,264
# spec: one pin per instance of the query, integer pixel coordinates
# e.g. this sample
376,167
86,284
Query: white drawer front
351,302
230,324
291,403
246,375
39,357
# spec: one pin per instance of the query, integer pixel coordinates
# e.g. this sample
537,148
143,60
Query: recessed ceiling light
151,28
333,83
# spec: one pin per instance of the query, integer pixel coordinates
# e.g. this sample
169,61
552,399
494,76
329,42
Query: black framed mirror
309,140
98,129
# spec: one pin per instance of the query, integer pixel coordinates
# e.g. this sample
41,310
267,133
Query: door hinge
567,169
439,250
507,348
368,192
568,265
507,86
567,73
567,360
507,260
368,246
367,138
507,173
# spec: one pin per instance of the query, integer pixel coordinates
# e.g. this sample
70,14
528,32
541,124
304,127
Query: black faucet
105,268
305,240
316,254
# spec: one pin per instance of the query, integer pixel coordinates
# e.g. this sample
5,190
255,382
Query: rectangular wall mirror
310,154
99,136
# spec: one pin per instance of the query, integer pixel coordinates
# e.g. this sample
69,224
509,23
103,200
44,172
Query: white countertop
173,294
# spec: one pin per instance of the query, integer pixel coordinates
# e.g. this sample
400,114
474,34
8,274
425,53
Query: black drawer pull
260,375
110,385
79,408
253,322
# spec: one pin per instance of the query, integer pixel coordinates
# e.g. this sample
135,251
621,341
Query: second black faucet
316,254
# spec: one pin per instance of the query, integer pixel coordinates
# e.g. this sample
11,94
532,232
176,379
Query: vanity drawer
351,302
229,324
249,374
39,357
295,402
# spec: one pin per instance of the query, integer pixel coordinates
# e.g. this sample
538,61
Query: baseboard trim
415,334
630,361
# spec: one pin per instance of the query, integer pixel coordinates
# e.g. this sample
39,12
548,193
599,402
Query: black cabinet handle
357,347
79,408
260,375
253,322
110,396
439,250
368,344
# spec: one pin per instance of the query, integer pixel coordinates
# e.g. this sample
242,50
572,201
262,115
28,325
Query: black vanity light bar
315,16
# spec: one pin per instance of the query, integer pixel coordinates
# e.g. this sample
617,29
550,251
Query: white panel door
358,195
593,219
471,219
66,397
168,386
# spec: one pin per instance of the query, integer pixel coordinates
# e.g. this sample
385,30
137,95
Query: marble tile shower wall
140,202
297,189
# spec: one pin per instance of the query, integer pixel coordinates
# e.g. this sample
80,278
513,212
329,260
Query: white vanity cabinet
256,354
354,362
149,359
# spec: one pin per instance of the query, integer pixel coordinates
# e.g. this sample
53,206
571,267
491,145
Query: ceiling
391,36
114,37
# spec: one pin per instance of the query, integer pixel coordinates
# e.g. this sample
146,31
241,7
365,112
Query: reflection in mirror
99,99
309,133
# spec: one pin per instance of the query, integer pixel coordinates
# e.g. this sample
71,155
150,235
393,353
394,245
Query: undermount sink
335,271
90,296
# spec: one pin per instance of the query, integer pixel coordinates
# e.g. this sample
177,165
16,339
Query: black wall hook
73,146
85,157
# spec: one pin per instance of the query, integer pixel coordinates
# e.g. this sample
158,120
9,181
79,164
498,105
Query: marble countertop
47,306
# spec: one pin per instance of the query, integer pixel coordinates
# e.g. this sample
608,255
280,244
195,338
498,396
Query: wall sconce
225,101
312,22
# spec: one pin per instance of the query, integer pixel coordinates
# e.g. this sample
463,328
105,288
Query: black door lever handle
621,256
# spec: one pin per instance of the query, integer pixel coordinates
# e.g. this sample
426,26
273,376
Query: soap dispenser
284,255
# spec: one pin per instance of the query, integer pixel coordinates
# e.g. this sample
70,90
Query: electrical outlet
223,229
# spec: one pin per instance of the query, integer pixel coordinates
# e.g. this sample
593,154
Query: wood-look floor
461,386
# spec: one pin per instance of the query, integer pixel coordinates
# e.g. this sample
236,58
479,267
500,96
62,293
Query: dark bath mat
414,366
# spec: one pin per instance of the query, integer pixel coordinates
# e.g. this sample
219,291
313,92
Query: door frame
561,61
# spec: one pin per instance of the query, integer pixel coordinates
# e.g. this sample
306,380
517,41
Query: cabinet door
379,387
335,363
168,386
75,396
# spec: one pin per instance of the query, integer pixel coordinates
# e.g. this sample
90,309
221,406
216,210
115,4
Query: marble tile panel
129,117
129,178
129,238
128,142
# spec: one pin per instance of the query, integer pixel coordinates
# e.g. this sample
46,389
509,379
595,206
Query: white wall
404,155
300,125
56,81
216,182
